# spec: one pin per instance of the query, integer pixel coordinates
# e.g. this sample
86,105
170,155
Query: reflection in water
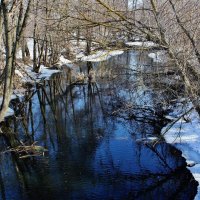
93,135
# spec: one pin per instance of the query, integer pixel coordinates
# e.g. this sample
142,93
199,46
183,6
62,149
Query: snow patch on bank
64,61
146,44
10,112
185,135
44,73
99,55
17,72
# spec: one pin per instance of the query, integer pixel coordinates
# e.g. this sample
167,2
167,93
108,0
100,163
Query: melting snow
44,73
142,44
185,135
19,73
64,61
10,112
99,56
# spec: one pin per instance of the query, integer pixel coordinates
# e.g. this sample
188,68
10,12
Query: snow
78,50
80,55
142,44
13,97
19,54
17,72
30,44
30,47
10,112
99,56
116,52
44,73
134,4
158,57
147,139
30,76
185,135
64,61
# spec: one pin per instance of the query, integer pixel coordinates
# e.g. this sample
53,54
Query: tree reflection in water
93,135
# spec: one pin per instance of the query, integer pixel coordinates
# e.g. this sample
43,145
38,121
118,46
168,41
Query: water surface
97,135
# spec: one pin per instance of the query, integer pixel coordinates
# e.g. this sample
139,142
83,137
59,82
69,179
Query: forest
99,99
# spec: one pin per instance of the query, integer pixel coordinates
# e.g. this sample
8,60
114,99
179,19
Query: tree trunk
7,91
12,37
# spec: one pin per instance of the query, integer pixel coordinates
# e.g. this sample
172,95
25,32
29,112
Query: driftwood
26,151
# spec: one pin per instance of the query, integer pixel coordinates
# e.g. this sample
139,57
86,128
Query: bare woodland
55,27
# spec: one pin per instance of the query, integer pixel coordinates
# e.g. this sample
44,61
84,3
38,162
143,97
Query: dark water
97,136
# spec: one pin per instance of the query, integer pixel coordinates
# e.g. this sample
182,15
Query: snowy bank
44,73
10,112
99,55
27,75
146,44
185,135
64,61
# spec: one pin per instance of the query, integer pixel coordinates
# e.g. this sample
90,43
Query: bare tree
14,17
173,25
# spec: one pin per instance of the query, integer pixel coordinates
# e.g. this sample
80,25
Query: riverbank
183,130
183,133
25,77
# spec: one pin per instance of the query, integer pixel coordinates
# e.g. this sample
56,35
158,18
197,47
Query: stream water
98,139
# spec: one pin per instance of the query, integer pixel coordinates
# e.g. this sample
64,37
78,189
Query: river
101,138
